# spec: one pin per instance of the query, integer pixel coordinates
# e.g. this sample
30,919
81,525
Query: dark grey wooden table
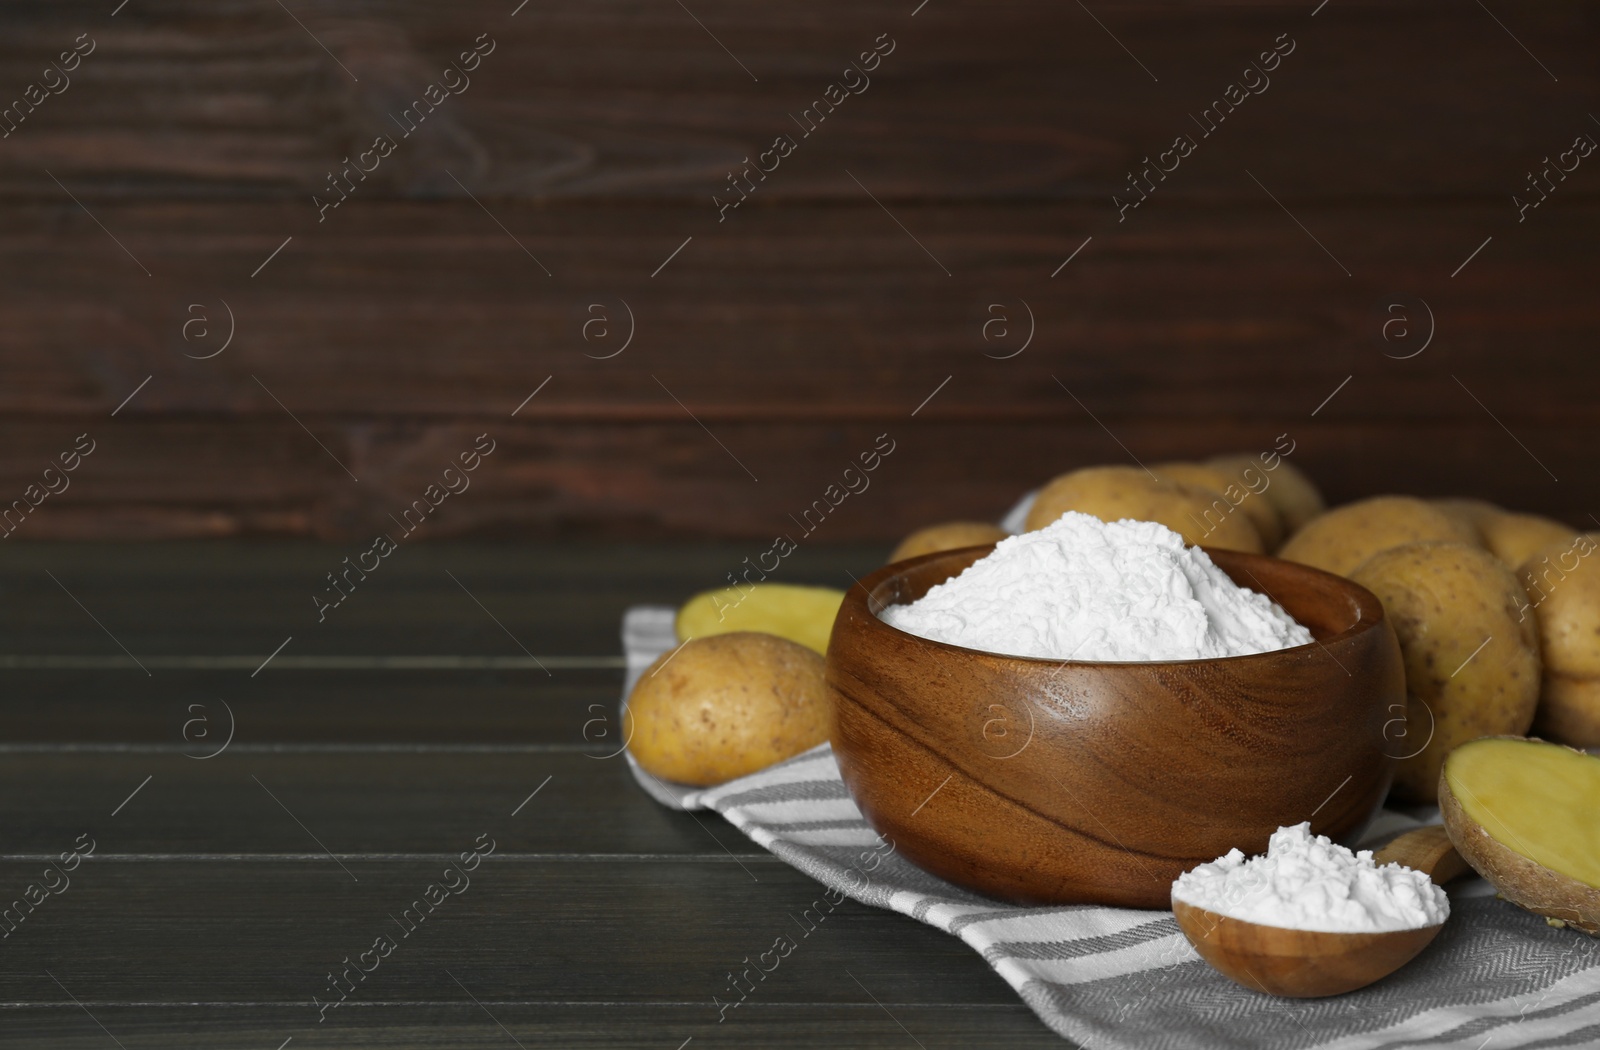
461,695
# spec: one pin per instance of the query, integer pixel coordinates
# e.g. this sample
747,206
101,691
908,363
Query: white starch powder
1084,589
1306,882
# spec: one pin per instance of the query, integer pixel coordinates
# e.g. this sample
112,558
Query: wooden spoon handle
1428,850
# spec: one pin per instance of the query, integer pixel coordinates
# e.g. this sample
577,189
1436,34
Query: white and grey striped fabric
1125,979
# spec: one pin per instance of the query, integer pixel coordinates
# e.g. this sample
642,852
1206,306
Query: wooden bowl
1052,781
1303,964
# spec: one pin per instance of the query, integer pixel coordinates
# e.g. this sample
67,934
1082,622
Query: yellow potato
1514,538
1472,667
718,708
949,536
1287,488
1113,493
1569,710
1563,589
1526,815
1262,514
1469,513
800,614
1346,536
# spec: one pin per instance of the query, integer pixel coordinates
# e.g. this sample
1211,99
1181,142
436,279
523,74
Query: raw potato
1526,815
949,536
800,614
1514,538
1511,537
1262,514
1290,491
718,708
1471,665
1563,588
1346,536
1470,514
1569,710
1114,493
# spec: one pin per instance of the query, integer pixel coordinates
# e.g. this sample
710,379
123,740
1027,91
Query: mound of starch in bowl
1307,882
1085,589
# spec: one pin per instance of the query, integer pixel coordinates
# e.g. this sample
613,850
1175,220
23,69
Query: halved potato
948,536
800,614
1526,815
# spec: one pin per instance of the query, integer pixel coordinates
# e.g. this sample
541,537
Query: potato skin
1569,710
1514,538
725,706
947,536
1469,513
1262,514
1444,600
1113,493
1346,536
1519,880
1295,497
1563,588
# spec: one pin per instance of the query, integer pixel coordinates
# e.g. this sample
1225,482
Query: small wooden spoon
1306,964
1428,850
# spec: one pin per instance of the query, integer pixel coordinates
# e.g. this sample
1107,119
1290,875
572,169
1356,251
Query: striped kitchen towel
1125,979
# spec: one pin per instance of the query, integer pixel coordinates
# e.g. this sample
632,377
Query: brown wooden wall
857,277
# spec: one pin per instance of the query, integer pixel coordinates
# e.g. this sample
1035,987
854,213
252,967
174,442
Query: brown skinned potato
1114,493
724,706
1282,484
1470,513
1262,514
1514,538
1346,536
948,536
1472,667
1526,815
1563,588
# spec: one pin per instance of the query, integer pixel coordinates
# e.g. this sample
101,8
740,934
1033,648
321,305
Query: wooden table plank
457,1023
572,708
239,599
357,799
584,931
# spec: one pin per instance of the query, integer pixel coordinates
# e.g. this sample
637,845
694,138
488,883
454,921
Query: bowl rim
1371,609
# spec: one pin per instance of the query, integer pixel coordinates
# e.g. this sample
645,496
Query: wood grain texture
219,810
408,320
452,642
1082,782
457,1023
1428,850
1300,964
212,911
555,932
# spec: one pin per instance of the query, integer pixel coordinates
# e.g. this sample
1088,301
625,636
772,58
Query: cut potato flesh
1539,800
800,614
